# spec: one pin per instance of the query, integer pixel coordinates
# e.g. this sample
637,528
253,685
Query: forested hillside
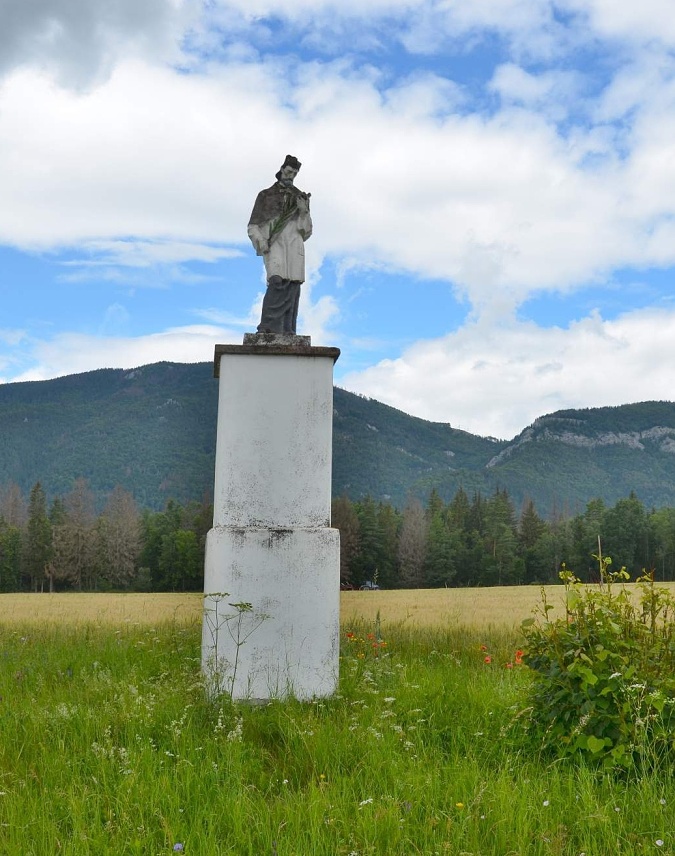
152,432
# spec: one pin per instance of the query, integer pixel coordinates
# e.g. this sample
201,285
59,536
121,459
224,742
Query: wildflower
508,665
459,805
518,659
366,802
350,635
659,842
546,803
488,659
483,648
662,801
178,847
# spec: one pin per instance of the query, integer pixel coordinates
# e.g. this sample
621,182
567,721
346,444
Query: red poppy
488,659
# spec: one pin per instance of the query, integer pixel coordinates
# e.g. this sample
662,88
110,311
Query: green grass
108,746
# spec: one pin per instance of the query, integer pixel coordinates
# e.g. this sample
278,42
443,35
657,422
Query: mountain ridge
152,430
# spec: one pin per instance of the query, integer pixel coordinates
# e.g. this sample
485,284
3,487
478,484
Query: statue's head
289,168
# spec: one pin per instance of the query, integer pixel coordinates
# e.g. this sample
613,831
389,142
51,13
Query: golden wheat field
503,606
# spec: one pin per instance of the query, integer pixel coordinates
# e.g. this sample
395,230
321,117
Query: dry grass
502,607
92,608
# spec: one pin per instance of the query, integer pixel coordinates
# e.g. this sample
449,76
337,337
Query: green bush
604,676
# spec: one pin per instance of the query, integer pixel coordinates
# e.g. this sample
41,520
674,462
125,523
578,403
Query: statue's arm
304,224
258,236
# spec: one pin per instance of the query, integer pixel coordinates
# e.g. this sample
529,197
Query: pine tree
37,540
13,506
10,557
412,545
345,518
75,558
118,539
500,541
534,546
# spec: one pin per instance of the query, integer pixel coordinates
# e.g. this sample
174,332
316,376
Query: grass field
502,607
109,746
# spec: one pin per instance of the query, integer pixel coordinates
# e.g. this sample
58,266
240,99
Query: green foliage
110,747
37,541
604,677
10,556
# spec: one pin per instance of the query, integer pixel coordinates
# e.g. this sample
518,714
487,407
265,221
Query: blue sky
493,192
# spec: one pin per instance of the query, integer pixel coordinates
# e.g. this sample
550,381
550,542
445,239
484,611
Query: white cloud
12,337
153,167
501,206
495,380
132,253
650,21
79,41
72,353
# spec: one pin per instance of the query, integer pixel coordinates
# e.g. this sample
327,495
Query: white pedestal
271,551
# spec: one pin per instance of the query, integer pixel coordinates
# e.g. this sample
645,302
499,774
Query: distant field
504,606
113,609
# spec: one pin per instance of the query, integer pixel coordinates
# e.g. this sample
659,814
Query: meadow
109,746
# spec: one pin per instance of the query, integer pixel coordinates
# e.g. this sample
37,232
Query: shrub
604,676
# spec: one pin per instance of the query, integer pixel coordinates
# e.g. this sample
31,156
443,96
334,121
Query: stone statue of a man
279,226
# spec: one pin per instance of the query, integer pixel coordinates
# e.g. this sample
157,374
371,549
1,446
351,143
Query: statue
280,224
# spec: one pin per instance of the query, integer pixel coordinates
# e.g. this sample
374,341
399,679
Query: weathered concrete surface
288,643
271,545
274,446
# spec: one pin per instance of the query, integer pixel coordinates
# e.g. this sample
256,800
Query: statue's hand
303,205
263,247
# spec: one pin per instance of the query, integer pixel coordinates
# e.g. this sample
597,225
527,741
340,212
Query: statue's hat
291,160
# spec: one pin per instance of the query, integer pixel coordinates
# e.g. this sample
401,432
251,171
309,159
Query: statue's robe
277,222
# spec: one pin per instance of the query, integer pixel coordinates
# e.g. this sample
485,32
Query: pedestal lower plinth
280,639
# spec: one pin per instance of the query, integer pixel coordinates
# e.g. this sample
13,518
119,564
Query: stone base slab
288,340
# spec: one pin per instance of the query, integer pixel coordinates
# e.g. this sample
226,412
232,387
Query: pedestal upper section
275,429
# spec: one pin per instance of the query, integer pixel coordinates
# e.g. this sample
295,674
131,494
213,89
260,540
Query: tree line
469,541
484,541
65,545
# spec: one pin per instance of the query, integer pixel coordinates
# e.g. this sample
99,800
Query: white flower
659,842
546,802
366,802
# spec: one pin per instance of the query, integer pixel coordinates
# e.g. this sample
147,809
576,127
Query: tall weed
604,676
